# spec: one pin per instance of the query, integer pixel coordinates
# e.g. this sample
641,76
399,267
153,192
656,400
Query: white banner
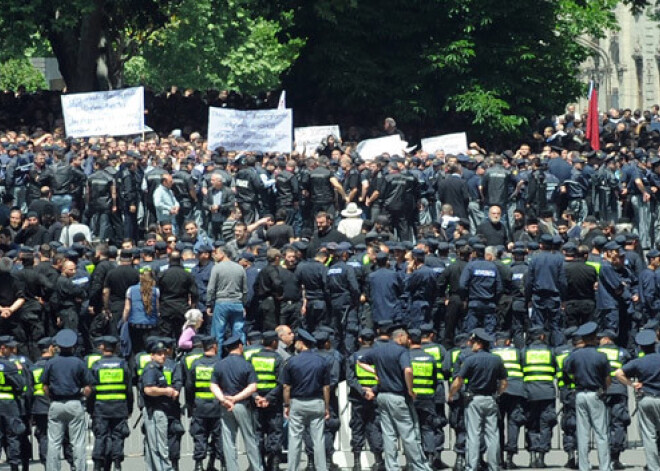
259,130
374,147
113,113
455,143
309,138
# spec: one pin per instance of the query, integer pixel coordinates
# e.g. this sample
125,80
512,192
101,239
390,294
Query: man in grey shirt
225,296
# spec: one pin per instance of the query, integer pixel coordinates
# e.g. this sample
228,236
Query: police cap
384,326
207,341
232,342
382,256
367,334
653,253
45,343
320,337
612,245
167,341
270,336
536,331
305,336
246,256
570,248
5,340
599,241
645,337
66,338
109,341
415,336
546,239
254,336
587,329
569,332
418,253
607,333
156,346
482,335
426,328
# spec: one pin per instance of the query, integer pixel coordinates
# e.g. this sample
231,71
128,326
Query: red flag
593,133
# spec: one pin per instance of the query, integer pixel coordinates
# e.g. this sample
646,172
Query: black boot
379,464
117,465
275,462
199,465
98,465
13,467
509,461
175,465
460,463
210,466
540,460
356,461
310,463
532,459
437,463
572,462
616,463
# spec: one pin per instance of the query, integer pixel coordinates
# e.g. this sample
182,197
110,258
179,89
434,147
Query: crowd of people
233,284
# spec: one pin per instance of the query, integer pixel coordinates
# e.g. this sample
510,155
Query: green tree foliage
449,64
17,72
216,44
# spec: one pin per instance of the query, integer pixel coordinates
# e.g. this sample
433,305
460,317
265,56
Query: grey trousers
642,220
61,415
242,417
591,415
156,450
398,419
481,421
306,414
649,426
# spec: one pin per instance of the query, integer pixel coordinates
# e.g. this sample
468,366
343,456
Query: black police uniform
364,422
580,301
12,386
425,379
567,398
112,405
313,276
174,376
539,370
344,294
248,188
453,361
267,364
617,400
512,403
204,409
439,353
176,287
129,194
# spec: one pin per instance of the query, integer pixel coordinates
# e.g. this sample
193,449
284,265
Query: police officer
205,411
157,396
421,289
12,386
481,286
545,287
306,395
453,361
312,275
539,370
486,378
394,395
101,199
449,283
267,364
580,303
113,404
439,353
617,397
567,397
425,378
173,371
590,370
344,296
383,290
129,196
233,382
512,403
39,401
647,389
364,421
183,187
248,187
519,318
66,380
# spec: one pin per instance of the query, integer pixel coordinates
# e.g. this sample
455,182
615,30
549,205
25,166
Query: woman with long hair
141,310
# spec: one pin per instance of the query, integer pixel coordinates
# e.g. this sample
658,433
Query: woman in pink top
194,320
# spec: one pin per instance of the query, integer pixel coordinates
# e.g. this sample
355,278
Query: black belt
76,397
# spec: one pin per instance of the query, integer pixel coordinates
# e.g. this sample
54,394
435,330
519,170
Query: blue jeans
227,313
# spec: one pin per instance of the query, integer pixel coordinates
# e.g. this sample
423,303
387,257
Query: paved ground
633,459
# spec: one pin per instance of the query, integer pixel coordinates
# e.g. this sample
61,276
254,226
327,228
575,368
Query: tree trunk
79,52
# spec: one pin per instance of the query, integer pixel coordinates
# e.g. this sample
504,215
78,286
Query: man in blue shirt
646,370
486,377
481,287
233,382
306,382
590,371
64,377
394,394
